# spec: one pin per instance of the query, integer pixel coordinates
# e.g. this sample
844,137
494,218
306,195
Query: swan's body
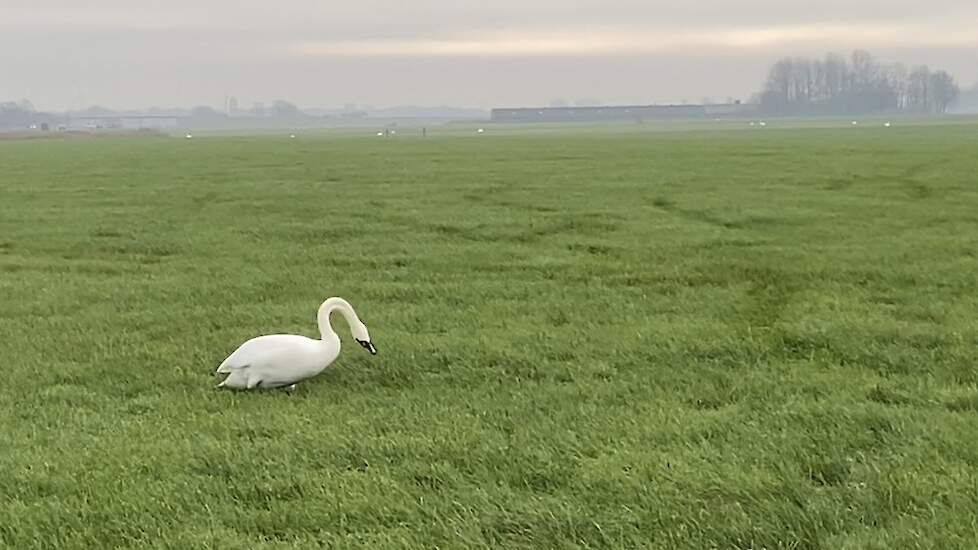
278,360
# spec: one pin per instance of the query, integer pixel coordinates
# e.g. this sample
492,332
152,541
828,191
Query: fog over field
63,55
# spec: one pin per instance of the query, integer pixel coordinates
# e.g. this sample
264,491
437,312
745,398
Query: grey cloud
371,18
63,52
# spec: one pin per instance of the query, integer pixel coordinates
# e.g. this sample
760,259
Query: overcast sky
481,53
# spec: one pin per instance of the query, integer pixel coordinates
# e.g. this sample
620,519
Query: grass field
637,339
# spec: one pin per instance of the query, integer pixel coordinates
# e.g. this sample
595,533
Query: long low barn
623,112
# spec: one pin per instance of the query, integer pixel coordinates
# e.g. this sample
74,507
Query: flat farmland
588,338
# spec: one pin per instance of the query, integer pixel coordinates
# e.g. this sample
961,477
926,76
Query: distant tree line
859,85
16,114
279,109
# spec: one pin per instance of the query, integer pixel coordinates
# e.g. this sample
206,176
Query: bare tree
918,85
943,91
285,109
896,78
204,112
836,76
860,85
779,79
865,70
802,80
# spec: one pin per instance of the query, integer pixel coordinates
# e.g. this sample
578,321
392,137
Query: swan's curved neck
328,307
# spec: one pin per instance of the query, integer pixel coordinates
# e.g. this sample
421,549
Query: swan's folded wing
245,355
262,350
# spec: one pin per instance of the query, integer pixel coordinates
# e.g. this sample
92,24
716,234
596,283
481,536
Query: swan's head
362,337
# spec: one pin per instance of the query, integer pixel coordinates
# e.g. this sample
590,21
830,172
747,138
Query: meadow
627,338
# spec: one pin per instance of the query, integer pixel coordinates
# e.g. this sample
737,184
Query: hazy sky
137,53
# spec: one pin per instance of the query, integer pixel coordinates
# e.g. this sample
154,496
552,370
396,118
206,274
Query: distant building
618,113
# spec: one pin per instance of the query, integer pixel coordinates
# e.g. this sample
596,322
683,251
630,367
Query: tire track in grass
909,180
709,218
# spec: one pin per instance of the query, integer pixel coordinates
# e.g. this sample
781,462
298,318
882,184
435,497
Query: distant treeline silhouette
16,114
859,85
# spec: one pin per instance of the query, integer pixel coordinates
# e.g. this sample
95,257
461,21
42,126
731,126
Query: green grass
629,339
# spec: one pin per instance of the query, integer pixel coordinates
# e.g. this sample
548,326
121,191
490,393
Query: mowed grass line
627,340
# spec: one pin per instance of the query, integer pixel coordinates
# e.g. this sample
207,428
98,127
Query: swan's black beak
368,346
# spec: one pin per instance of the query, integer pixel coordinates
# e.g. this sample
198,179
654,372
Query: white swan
278,360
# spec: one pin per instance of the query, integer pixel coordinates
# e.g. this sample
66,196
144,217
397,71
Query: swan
282,360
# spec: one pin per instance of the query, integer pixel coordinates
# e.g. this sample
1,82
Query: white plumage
279,360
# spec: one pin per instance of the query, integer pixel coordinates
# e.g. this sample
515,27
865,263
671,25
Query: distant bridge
127,120
126,117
